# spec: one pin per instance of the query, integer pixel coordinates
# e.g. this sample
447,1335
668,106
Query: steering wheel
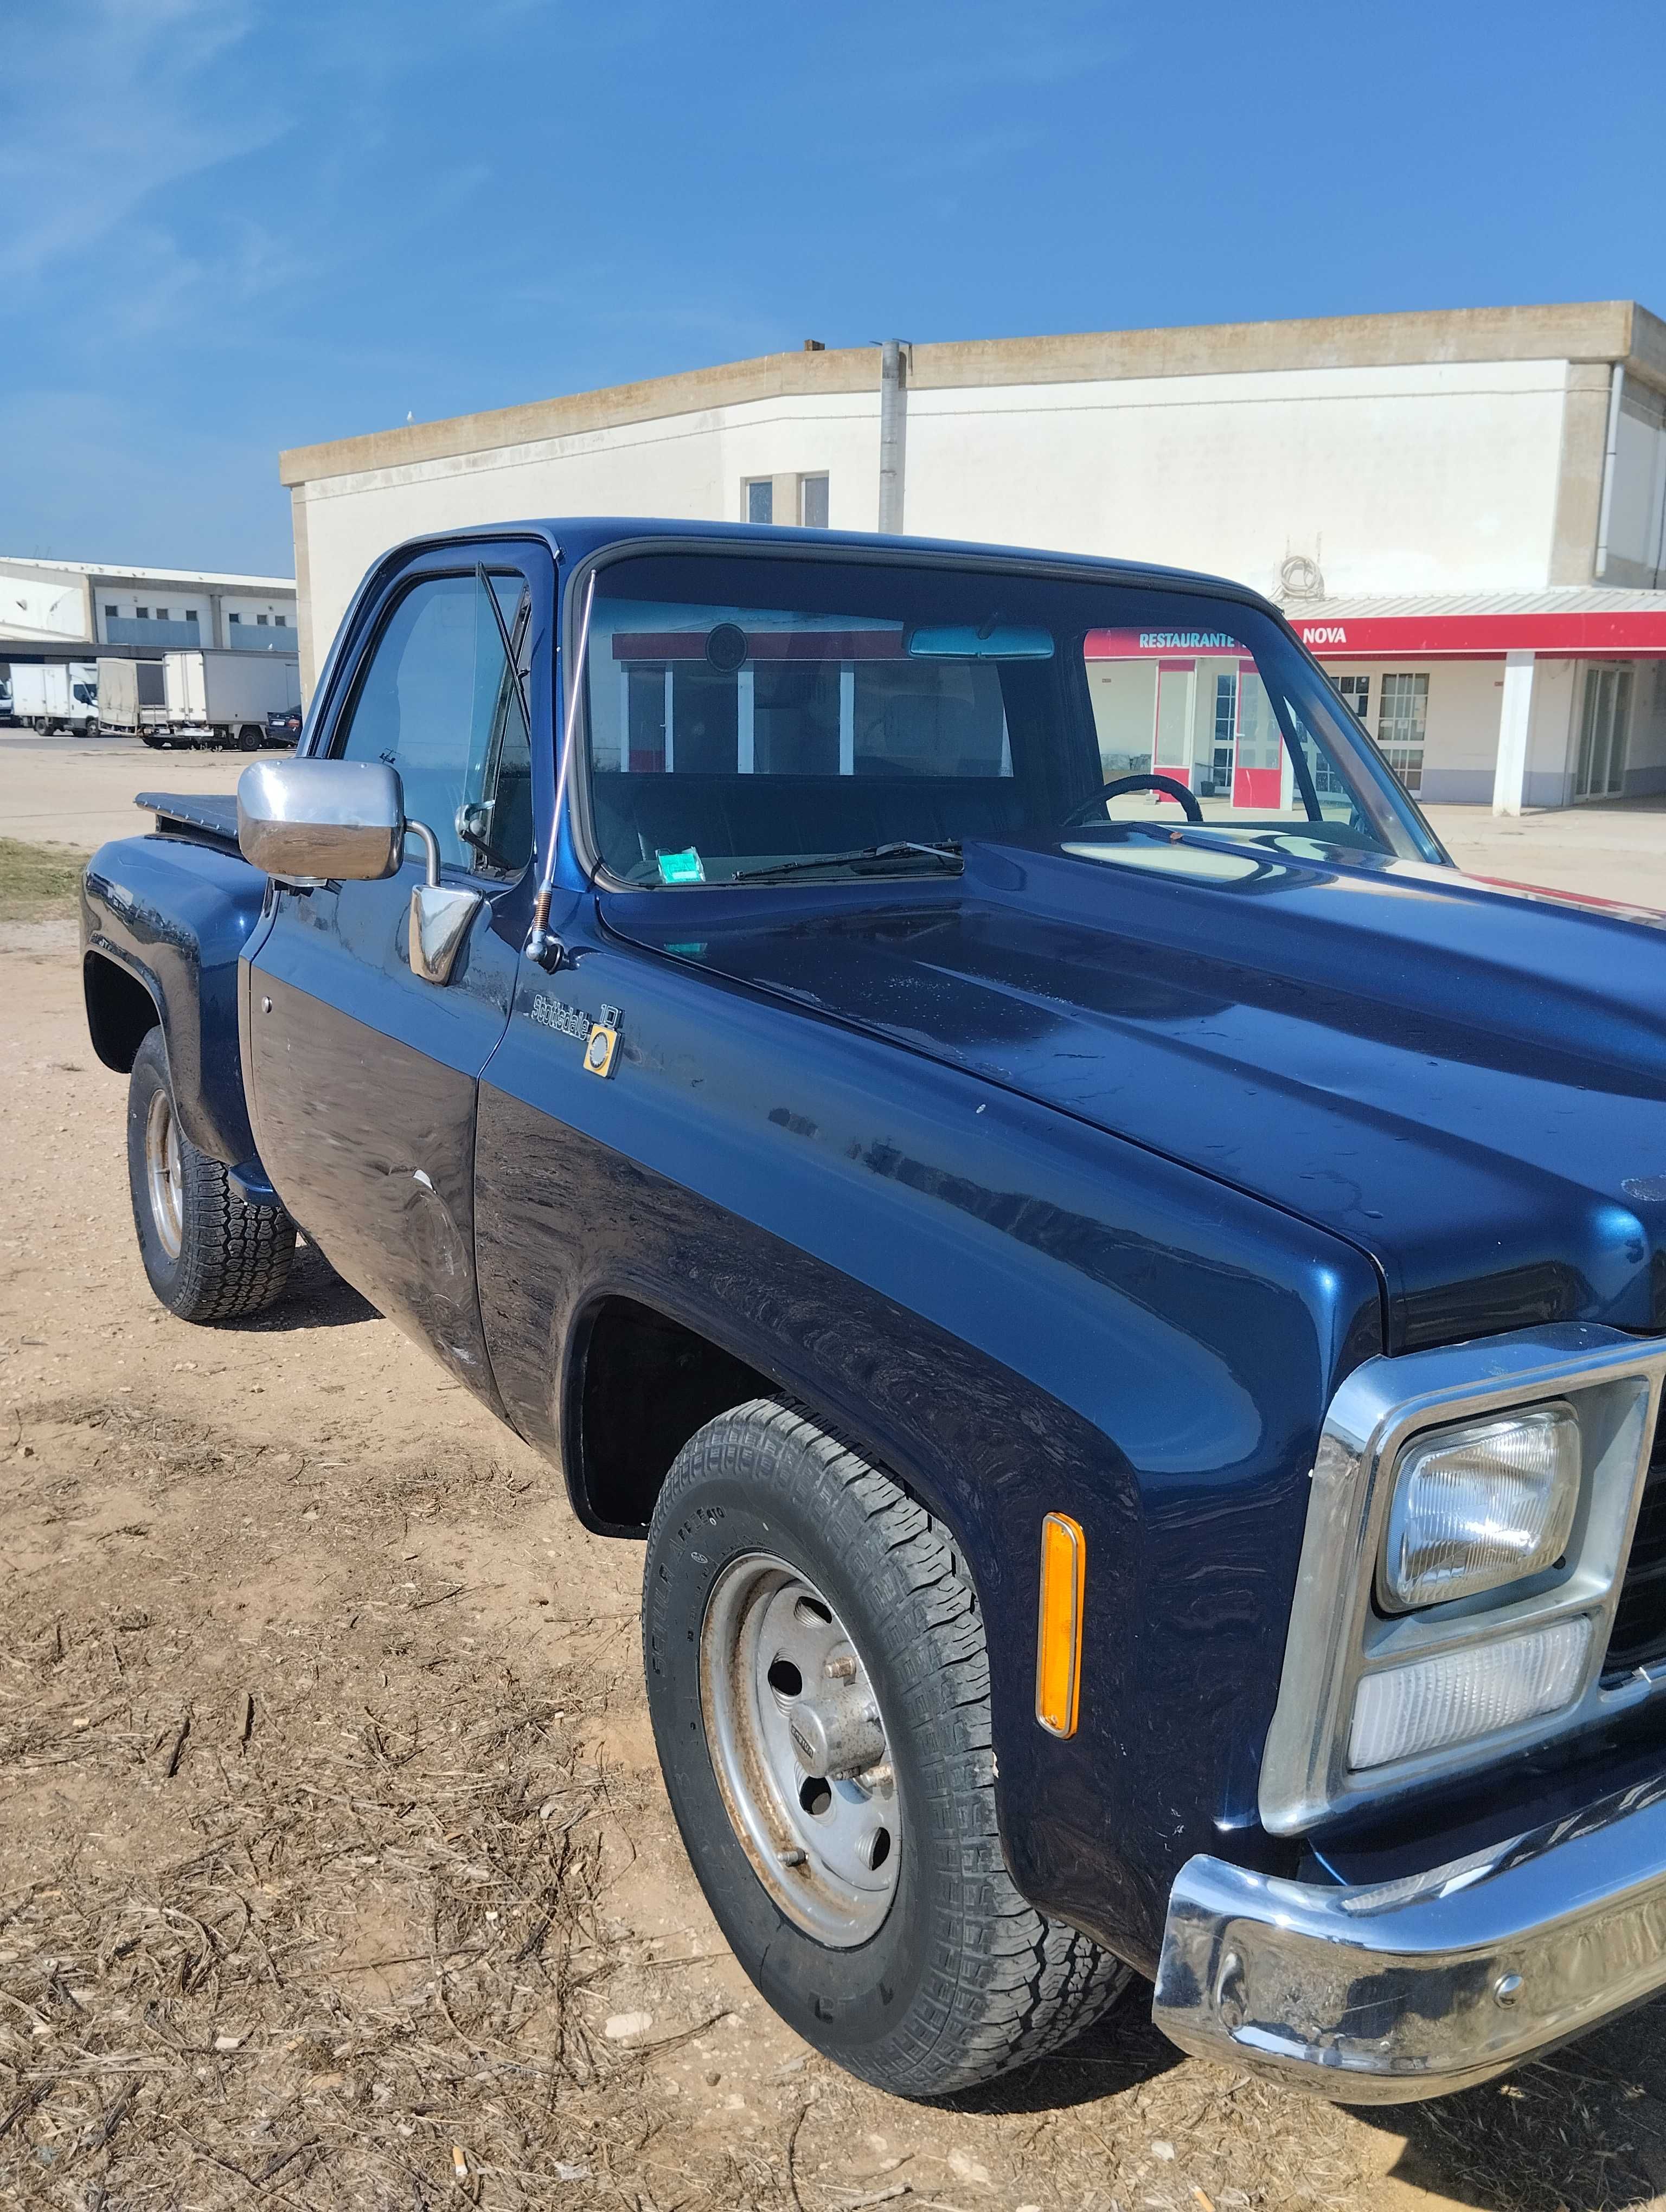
1169,785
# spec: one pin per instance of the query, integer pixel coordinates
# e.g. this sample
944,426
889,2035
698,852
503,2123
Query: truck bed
207,817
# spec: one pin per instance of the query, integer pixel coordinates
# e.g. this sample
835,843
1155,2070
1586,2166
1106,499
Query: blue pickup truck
953,1093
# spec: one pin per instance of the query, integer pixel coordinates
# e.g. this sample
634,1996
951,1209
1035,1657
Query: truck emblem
600,1039
603,1047
567,1019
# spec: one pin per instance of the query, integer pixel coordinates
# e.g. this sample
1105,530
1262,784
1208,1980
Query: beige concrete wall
1645,757
1637,509
1557,688
687,468
1600,330
1453,450
1438,477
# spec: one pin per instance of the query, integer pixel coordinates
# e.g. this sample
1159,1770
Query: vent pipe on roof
1616,393
893,431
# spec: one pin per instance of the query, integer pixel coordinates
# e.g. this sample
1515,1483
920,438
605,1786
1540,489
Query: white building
58,608
1463,512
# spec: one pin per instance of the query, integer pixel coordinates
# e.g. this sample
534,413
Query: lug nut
791,1857
841,1669
880,1776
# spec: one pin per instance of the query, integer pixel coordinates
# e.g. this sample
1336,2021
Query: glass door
1403,717
1604,728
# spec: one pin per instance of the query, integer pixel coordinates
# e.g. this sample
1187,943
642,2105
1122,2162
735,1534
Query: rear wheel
248,738
210,1254
818,1684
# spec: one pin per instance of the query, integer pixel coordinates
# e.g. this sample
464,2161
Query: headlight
1479,1507
1434,1703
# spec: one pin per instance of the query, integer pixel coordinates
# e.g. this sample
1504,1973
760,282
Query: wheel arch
638,1382
640,1378
121,1009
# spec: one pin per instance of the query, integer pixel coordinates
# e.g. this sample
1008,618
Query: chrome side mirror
306,821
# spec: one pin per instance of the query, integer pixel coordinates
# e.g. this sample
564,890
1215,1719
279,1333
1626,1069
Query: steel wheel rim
163,1168
826,1845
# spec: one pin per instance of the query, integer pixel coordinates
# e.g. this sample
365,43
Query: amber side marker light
1059,1637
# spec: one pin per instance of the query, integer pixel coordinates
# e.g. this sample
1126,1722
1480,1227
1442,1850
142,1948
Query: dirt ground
79,791
335,1869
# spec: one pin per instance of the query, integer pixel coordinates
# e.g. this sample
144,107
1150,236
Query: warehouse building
1463,512
72,607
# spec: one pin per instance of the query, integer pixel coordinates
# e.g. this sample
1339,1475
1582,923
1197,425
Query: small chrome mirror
306,821
442,914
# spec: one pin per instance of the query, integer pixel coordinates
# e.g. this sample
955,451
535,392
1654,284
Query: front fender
173,916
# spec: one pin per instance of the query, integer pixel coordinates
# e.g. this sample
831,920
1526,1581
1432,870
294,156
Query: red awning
1560,635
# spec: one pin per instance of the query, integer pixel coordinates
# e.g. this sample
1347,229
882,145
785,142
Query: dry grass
38,883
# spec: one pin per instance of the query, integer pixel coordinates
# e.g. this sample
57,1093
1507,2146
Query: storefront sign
1627,635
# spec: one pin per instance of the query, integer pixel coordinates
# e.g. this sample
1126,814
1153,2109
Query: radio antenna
544,945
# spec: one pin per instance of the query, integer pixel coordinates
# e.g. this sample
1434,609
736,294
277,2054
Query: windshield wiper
948,852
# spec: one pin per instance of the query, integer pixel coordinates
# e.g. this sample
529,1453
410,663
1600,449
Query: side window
438,701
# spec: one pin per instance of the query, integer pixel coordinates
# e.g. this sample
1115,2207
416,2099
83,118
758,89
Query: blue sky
229,228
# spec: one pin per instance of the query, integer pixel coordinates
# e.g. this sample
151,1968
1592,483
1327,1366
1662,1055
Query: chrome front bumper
1416,1988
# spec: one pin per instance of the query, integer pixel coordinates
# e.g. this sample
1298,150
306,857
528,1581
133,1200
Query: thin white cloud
108,102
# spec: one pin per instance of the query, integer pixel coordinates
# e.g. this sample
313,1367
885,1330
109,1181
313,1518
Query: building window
1401,717
233,619
279,621
261,619
142,614
1604,729
813,503
1354,692
761,500
161,614
190,614
111,615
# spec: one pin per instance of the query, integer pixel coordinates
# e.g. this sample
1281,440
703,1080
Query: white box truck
199,695
132,699
56,694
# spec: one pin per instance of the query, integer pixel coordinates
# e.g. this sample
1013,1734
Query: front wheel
210,1254
818,1684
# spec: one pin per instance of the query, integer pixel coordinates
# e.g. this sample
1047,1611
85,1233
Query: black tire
963,1980
231,1258
249,739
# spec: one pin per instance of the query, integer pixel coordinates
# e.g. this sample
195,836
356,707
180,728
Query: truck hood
1466,1080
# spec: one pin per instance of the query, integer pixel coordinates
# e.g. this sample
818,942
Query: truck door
363,1076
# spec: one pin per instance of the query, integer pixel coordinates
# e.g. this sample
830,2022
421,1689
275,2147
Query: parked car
284,725
1129,1324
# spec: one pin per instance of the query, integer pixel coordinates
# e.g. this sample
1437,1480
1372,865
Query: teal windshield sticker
681,867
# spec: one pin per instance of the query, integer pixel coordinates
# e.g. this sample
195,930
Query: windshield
810,719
